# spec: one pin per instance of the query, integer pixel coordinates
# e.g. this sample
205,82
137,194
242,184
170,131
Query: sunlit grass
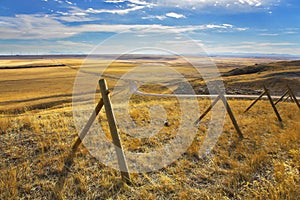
36,137
265,163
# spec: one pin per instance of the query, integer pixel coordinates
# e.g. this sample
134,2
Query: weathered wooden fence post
228,109
293,96
273,105
68,162
266,92
280,99
255,101
207,110
114,131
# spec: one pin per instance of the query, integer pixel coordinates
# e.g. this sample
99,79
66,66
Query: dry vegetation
37,132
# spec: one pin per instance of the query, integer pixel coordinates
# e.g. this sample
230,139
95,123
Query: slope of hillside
275,76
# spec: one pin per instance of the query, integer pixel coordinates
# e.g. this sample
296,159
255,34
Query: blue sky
78,26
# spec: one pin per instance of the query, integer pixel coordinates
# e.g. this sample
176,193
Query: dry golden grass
34,143
263,165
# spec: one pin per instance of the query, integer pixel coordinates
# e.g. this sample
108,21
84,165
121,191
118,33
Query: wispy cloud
159,17
223,4
131,6
138,2
269,34
167,15
115,11
255,47
145,3
75,14
264,44
32,26
69,2
76,18
175,15
45,47
49,27
114,1
290,32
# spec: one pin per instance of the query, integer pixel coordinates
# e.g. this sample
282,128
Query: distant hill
275,75
282,65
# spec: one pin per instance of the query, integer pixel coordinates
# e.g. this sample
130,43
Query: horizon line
225,54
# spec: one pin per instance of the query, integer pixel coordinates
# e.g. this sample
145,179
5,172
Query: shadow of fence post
68,162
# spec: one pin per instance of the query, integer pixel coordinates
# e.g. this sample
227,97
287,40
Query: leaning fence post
293,96
114,132
207,110
258,98
273,105
280,99
229,111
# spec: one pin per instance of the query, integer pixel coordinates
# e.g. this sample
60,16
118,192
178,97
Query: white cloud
75,18
116,11
236,5
214,26
141,2
269,34
159,17
59,1
74,15
129,1
133,5
69,2
242,29
269,44
162,17
74,44
251,2
290,32
31,27
45,47
34,27
114,1
228,25
132,2
253,47
49,27
175,15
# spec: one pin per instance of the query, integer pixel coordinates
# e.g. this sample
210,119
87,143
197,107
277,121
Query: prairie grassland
35,141
265,164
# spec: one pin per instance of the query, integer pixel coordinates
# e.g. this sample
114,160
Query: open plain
37,132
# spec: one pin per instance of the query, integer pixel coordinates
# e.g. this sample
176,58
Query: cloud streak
30,27
116,11
46,47
175,15
266,47
167,15
235,5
